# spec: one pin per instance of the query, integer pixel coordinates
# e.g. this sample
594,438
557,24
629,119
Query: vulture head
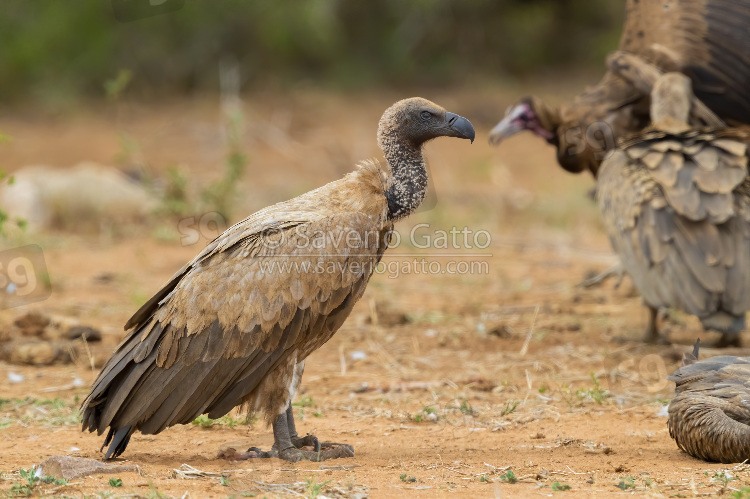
416,120
671,100
528,114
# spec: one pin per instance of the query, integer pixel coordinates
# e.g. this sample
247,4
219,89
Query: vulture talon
306,441
329,451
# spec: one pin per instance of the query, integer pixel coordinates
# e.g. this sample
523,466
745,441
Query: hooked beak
458,126
508,127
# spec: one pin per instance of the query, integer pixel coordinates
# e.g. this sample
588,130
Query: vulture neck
550,118
408,183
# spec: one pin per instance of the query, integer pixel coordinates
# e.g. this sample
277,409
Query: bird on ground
709,417
707,40
235,325
675,202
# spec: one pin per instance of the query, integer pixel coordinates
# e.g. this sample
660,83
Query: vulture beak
508,127
458,126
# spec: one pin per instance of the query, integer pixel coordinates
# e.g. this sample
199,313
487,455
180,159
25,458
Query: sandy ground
506,382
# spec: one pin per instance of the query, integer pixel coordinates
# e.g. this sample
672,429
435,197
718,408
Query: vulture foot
326,451
306,441
295,448
726,341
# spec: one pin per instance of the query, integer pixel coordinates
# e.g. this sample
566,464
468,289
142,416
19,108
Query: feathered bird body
676,205
235,325
709,418
705,39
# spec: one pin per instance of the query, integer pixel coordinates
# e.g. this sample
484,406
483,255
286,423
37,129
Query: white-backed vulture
707,40
676,205
709,417
235,325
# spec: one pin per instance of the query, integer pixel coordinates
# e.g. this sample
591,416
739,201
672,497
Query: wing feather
685,243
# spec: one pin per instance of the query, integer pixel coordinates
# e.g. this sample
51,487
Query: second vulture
704,39
709,417
235,325
676,205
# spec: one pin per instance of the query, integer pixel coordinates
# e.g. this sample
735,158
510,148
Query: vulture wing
707,40
262,290
677,213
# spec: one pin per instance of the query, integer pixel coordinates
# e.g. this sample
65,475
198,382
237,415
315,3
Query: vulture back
708,40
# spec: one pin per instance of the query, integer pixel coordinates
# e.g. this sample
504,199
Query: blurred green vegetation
55,50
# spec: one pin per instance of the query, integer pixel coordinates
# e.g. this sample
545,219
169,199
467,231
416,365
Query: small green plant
557,486
224,481
114,87
313,488
466,408
722,477
484,478
597,393
428,413
25,489
306,401
154,493
115,482
509,477
743,493
510,407
53,480
318,414
9,179
626,483
407,479
203,421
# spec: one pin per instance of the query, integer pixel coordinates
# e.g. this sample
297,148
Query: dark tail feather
119,440
690,358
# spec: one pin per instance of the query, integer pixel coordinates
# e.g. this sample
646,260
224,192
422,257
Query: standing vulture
235,325
709,417
707,40
676,205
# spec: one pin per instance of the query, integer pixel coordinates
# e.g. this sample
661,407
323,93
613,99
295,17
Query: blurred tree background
54,51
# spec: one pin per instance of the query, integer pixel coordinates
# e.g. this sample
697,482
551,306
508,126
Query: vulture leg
652,330
285,446
297,441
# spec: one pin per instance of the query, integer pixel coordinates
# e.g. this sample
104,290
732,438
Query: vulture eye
426,115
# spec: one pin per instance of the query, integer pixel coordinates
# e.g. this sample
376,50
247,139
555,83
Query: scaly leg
652,330
297,441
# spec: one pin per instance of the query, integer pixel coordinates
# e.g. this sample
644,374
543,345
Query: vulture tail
119,441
